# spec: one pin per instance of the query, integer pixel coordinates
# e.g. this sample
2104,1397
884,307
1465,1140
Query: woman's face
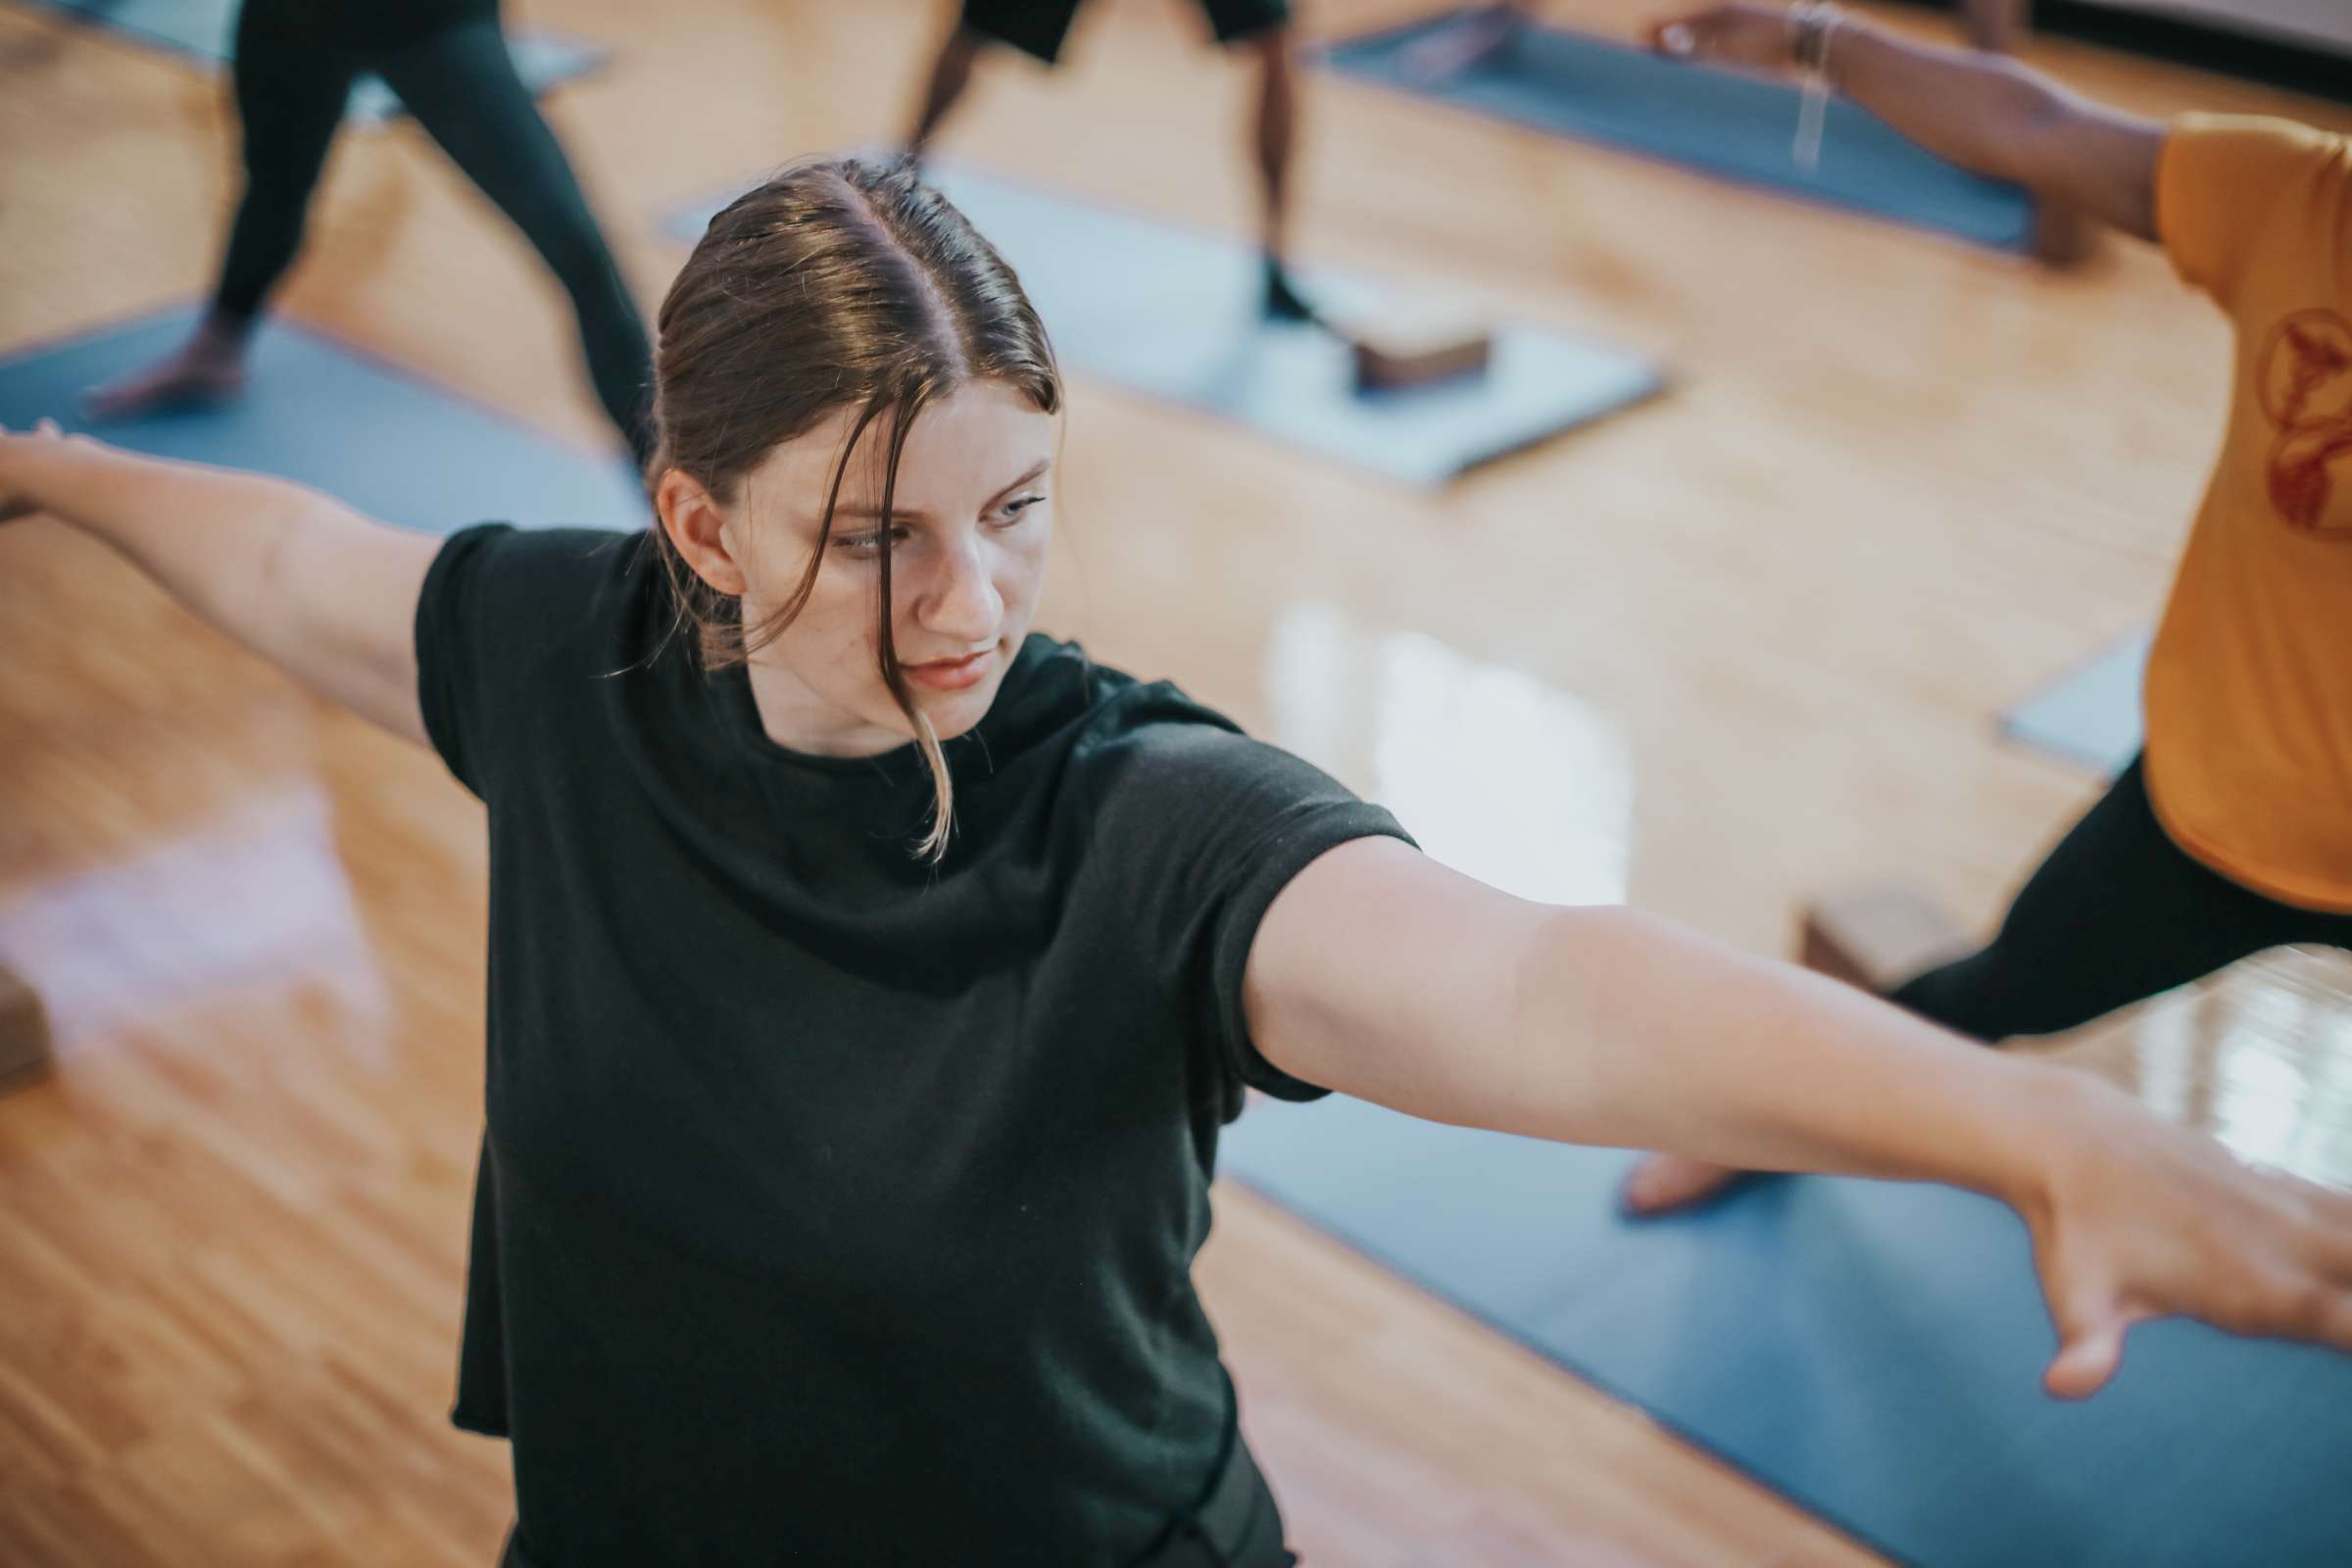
972,520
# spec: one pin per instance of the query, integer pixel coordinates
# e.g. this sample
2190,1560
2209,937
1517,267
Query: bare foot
204,373
1663,1184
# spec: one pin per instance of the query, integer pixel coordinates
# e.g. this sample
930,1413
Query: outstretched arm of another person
1381,974
1984,112
327,595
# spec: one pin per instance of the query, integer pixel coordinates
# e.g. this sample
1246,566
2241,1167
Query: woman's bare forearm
1660,1038
1976,109
1985,113
319,590
206,535
1384,976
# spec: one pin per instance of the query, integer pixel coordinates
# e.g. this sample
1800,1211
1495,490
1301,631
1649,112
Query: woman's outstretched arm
1982,111
324,593
1381,974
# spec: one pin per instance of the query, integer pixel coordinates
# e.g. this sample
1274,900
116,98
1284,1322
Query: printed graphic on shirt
2305,384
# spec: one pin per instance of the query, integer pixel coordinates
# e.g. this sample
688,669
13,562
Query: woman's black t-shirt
836,1206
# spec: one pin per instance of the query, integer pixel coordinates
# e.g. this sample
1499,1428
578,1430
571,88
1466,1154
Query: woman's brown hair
838,283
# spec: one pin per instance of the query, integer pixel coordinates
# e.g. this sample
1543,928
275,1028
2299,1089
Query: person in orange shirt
2232,831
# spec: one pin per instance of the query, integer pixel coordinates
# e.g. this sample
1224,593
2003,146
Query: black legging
2115,915
295,64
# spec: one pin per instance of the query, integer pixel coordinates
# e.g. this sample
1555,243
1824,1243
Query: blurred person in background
2232,830
1261,29
294,65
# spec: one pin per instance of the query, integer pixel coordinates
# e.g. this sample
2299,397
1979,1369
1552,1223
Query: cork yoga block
23,1031
1878,937
1416,347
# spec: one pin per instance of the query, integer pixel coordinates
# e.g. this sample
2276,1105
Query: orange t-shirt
2249,689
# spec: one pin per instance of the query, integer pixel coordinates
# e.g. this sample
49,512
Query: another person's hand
13,502
1758,37
2142,1219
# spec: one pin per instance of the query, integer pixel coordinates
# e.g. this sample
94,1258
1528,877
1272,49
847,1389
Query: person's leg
951,74
1263,29
460,84
291,86
1277,138
2116,913
1035,28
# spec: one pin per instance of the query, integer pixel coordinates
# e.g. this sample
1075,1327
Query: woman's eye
1013,509
867,544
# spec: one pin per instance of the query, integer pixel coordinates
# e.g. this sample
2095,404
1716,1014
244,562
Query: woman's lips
951,674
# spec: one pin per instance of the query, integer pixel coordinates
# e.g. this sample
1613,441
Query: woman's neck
800,719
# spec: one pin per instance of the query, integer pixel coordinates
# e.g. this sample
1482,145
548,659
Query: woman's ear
697,527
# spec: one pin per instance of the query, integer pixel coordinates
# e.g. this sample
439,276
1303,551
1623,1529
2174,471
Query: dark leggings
1235,1525
2115,915
456,76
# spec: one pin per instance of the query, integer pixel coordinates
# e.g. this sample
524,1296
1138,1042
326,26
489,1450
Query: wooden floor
1898,481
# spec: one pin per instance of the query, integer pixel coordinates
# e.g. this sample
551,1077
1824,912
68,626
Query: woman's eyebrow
873,514
1037,470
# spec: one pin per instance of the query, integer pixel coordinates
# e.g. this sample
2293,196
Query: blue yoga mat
1738,127
2092,713
205,28
1871,1350
390,443
1174,313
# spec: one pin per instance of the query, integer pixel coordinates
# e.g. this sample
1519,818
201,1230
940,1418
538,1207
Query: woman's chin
952,713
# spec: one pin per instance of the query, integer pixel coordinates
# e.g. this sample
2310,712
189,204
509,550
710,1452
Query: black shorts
1036,28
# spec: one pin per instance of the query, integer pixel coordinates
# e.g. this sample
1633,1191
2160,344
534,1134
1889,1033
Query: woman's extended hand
1755,37
14,504
2136,1218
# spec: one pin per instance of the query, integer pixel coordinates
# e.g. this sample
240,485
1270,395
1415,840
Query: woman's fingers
2086,1362
2329,1213
2295,1304
2090,1316
2336,1322
1683,36
12,507
1744,35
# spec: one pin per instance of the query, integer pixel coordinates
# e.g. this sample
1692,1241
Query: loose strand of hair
934,844
788,612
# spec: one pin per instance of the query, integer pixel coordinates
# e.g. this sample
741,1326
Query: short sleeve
450,614
1208,827
505,616
1291,842
2226,180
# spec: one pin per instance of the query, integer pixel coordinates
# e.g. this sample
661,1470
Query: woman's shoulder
1153,743
1104,711
538,561
529,592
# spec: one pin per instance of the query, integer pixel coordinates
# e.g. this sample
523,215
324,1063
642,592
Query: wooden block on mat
1878,937
23,1031
1416,346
